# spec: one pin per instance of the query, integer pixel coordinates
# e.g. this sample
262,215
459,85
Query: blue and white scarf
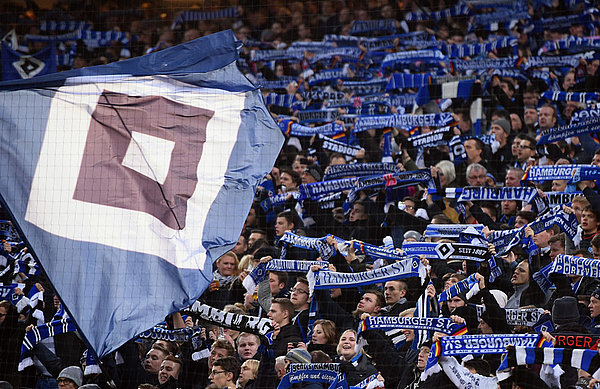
349,40
460,9
572,42
517,316
460,287
176,335
451,231
63,25
361,27
280,100
259,273
369,87
317,189
438,324
195,16
472,50
590,113
310,372
336,146
561,198
277,200
447,251
312,46
560,61
378,252
317,115
338,74
564,132
275,55
406,80
579,97
485,63
576,266
404,121
472,193
562,22
434,56
325,279
432,139
572,173
319,244
359,170
39,333
289,127
323,95
542,277
347,54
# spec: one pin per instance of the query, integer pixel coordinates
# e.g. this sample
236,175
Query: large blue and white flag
138,173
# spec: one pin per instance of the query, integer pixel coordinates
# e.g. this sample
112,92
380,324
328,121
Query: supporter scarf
587,360
564,132
423,309
361,27
561,198
431,57
39,333
463,378
491,20
561,22
451,231
7,292
63,25
472,50
585,341
447,251
542,277
579,97
517,317
359,170
276,200
309,372
312,45
432,139
568,223
280,100
323,95
458,288
259,273
512,73
317,189
485,63
473,193
560,61
288,127
243,323
576,266
319,244
405,80
276,84
438,324
458,10
329,201
338,74
324,279
317,115
274,55
572,173
378,252
195,16
343,40
177,335
338,147
348,54
404,121
461,89
92,38
376,85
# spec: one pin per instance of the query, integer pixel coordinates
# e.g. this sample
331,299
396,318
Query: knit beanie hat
565,311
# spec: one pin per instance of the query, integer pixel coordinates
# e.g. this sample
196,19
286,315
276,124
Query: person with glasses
225,372
70,378
301,300
525,152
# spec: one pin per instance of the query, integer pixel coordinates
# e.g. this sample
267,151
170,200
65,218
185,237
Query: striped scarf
39,333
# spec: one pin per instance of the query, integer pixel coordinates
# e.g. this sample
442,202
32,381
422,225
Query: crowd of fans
513,109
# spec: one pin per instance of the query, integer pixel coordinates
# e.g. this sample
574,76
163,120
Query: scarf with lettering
519,355
431,57
460,287
292,128
485,63
404,121
317,115
473,50
542,277
275,55
347,54
369,87
473,193
315,190
323,95
436,138
451,231
585,341
359,170
338,74
378,252
590,113
319,244
338,147
243,323
419,16
561,198
177,335
560,61
277,200
362,27
259,273
325,279
195,16
282,100
517,317
576,266
39,333
564,132
572,173
579,97
310,372
447,251
562,22
461,377
438,324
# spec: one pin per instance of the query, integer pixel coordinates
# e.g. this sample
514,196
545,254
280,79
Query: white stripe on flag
548,356
521,355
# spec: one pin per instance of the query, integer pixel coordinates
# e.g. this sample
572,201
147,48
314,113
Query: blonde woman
356,364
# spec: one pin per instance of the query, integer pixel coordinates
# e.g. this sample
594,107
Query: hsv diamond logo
28,66
444,250
134,159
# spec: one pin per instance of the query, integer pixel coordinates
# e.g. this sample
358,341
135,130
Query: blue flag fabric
16,66
159,210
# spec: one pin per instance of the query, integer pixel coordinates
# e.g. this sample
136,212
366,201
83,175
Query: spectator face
589,223
220,377
449,282
153,360
368,304
423,355
247,347
520,222
546,118
337,161
512,178
464,125
216,353
472,151
346,345
287,181
65,383
541,239
526,150
358,212
409,334
559,185
509,207
594,307
3,313
298,167
515,122
318,336
530,116
476,177
282,225
484,328
410,207
393,292
254,237
226,265
592,67
168,369
529,99
455,302
299,296
499,134
277,315
274,284
246,374
307,178
569,81
241,246
521,274
556,248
